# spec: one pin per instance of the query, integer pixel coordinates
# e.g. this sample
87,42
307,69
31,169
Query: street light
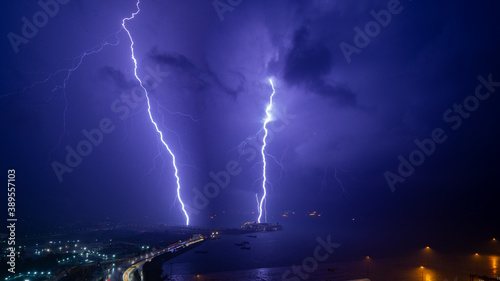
367,266
476,256
427,253
422,267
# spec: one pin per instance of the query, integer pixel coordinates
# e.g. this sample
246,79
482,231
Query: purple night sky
343,115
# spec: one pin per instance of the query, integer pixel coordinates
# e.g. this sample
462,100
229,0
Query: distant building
255,226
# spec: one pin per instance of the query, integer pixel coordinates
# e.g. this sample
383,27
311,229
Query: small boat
252,236
246,248
239,244
245,242
201,252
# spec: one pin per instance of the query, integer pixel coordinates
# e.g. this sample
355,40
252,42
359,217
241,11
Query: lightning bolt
60,78
263,149
340,182
336,176
257,198
159,132
67,72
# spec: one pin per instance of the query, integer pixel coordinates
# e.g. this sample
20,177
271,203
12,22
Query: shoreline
153,270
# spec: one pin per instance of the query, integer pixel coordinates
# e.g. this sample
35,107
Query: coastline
153,270
401,269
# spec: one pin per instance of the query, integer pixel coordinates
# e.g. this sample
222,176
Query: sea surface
273,254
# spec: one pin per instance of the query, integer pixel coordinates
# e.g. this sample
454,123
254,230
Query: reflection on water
430,275
263,272
494,265
425,274
445,267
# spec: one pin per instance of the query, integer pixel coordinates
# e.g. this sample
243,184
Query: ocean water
269,249
273,253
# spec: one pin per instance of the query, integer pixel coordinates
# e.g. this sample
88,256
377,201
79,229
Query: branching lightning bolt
149,110
77,61
257,198
341,184
263,149
66,74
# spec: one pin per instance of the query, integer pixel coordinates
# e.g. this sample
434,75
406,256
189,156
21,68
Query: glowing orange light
494,262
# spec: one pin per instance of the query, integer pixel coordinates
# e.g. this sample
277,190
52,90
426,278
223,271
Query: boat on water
246,248
201,252
252,236
239,244
245,242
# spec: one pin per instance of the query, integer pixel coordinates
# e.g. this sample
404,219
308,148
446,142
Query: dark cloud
306,61
115,75
176,61
203,78
341,93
